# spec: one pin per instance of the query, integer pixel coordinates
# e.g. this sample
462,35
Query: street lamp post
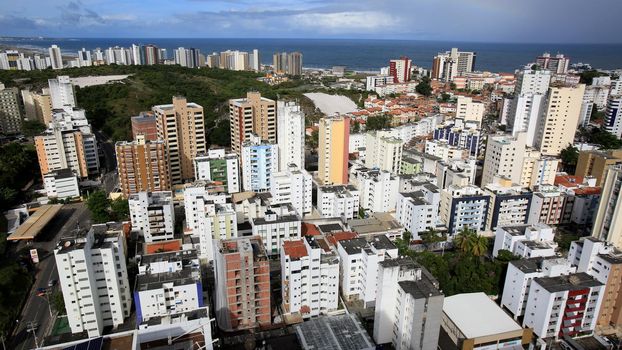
33,329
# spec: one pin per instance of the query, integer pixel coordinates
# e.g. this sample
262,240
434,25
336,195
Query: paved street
36,308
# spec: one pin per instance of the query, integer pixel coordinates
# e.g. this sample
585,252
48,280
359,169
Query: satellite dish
67,244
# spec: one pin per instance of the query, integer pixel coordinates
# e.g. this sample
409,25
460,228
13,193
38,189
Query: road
36,308
109,169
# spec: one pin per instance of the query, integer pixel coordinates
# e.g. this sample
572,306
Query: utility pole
2,339
33,329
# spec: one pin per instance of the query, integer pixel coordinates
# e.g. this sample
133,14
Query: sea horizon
357,54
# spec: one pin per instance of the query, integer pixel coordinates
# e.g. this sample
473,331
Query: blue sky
547,21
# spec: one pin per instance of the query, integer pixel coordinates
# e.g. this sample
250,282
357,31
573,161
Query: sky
527,21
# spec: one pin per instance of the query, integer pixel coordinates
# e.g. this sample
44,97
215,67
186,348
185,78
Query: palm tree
480,245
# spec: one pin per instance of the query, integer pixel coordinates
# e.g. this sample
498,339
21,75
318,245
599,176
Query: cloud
345,21
75,13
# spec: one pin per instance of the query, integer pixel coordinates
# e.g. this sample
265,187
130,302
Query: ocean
357,54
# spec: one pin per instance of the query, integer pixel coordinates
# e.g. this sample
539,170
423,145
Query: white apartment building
290,121
338,201
93,279
509,204
464,207
513,239
259,161
168,284
538,170
61,92
417,211
525,108
521,273
56,57
309,278
583,253
359,265
208,217
563,305
456,172
153,215
408,306
61,184
504,158
293,185
374,81
356,144
469,110
218,166
383,152
444,151
377,189
277,224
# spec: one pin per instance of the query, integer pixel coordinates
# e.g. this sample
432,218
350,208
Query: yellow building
558,124
252,115
608,222
333,151
595,163
181,126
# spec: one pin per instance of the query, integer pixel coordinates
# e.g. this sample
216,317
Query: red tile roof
295,249
309,229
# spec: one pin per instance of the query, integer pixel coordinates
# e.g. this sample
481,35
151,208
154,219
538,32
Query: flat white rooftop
476,315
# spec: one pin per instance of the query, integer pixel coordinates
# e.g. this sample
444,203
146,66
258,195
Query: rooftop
567,283
379,222
295,249
476,315
343,332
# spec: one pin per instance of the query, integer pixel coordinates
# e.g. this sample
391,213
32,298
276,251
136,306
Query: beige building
538,170
182,128
595,163
469,110
558,123
142,166
333,148
504,158
38,106
608,222
383,152
252,115
61,149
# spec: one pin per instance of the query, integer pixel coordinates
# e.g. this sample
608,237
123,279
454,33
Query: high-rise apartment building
84,58
93,278
558,64
338,201
259,161
242,284
417,210
310,278
10,111
333,150
613,116
464,207
209,217
219,167
292,185
181,126
142,166
504,158
608,223
470,111
255,60
167,284
55,57
558,123
595,163
252,115
190,58
153,215
527,105
151,55
408,306
378,188
399,69
279,62
61,92
60,149
383,151
291,134
294,63
450,64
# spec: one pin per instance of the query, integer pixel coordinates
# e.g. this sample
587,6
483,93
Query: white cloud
344,21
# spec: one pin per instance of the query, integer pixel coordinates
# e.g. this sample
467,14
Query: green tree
356,127
445,97
469,242
99,205
57,302
32,128
221,134
570,156
378,122
505,255
604,138
120,209
424,88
